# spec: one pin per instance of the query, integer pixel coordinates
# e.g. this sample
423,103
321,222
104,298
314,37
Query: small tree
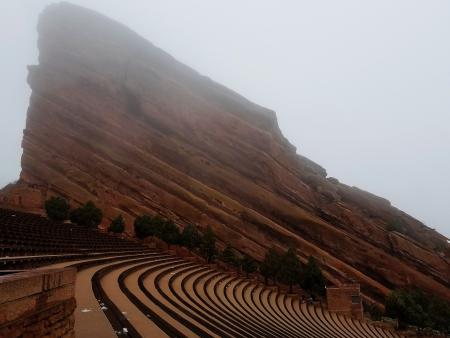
157,225
57,208
311,277
289,268
229,256
170,232
402,305
117,225
271,265
190,237
208,245
248,265
374,311
142,226
88,215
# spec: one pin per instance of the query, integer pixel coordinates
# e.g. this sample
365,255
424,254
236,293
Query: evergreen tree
142,226
401,304
57,208
248,265
157,226
271,265
229,256
190,237
311,277
289,268
208,245
414,307
374,311
88,215
170,232
117,225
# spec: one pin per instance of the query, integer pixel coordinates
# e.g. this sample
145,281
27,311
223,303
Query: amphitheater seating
29,240
125,289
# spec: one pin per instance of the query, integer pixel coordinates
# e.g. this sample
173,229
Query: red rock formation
116,120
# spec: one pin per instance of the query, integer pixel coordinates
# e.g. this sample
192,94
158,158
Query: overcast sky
361,87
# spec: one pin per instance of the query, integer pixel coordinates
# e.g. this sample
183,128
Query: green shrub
88,215
208,245
142,226
289,268
57,208
270,267
311,278
441,246
375,312
157,226
395,225
248,265
117,225
170,232
190,237
414,307
229,256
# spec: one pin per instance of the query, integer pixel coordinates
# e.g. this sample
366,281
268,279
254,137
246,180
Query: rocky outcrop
116,120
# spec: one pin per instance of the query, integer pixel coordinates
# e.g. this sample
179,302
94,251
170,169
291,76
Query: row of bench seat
29,240
181,298
155,294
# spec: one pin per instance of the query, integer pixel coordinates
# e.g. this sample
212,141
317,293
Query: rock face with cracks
116,120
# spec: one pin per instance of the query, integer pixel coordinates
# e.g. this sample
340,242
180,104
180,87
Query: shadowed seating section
28,240
128,290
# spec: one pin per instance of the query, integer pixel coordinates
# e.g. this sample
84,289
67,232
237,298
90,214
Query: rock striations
116,120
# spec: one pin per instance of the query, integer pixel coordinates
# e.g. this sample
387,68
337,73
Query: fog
361,87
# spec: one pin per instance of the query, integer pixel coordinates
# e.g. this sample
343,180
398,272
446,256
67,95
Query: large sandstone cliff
116,120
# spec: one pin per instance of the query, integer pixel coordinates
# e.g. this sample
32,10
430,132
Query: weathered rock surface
116,120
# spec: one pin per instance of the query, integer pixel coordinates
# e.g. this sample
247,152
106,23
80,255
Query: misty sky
361,87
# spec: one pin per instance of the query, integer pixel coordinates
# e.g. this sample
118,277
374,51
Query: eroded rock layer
116,120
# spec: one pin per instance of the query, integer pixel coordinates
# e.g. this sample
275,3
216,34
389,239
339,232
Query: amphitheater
126,289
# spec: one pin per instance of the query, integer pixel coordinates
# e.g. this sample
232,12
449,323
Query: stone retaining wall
38,303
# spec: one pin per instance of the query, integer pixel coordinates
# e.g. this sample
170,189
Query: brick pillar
345,300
